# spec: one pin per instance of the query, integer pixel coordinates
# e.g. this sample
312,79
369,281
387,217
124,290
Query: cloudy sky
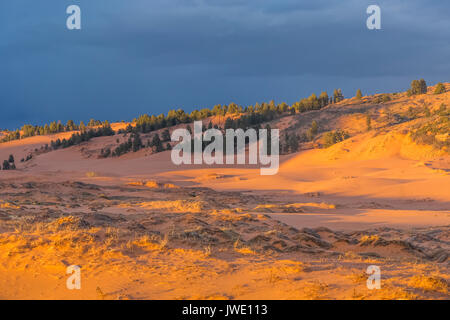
148,56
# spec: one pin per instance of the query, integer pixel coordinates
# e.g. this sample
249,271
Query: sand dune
142,228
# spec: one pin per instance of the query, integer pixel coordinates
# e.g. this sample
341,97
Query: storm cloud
148,56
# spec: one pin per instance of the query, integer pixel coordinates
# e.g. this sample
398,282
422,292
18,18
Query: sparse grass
358,277
349,255
429,283
68,223
174,206
273,276
316,290
238,247
8,205
293,268
292,207
207,251
369,239
395,293
435,131
137,245
164,242
152,184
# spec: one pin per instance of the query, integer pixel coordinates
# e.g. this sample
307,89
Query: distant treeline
52,128
264,111
246,116
146,123
86,135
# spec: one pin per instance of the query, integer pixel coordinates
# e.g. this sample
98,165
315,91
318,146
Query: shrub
368,122
440,88
434,132
417,87
6,165
383,98
165,135
105,153
333,137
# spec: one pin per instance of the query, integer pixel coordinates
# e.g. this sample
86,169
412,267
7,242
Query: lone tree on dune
358,94
423,86
368,122
418,87
6,165
337,95
440,88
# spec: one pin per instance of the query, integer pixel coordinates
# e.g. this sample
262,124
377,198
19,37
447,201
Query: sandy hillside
143,228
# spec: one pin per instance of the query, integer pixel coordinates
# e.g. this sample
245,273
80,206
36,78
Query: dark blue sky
148,56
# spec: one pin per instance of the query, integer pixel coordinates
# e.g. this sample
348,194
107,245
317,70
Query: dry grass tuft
365,240
316,290
91,174
429,283
238,247
8,205
182,206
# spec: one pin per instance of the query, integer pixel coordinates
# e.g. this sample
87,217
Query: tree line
250,115
52,128
86,135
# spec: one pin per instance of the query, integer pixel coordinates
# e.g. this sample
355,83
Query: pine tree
423,86
337,95
368,122
286,144
5,165
417,87
82,126
358,94
440,88
70,126
314,128
293,143
156,143
136,143
323,99
165,135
